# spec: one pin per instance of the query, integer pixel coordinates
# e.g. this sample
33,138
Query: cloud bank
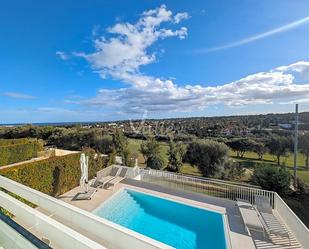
122,54
16,95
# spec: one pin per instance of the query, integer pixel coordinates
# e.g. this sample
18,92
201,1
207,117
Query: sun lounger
101,181
263,204
119,178
250,217
270,221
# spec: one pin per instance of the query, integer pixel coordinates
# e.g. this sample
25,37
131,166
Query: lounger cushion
114,171
123,172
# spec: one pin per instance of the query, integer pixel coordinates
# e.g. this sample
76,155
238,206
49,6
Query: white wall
56,232
115,236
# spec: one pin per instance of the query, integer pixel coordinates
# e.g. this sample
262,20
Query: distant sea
51,124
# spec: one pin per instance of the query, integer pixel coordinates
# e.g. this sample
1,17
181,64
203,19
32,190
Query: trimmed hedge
53,176
15,150
6,142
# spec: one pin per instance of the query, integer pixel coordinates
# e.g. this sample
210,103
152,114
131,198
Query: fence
216,188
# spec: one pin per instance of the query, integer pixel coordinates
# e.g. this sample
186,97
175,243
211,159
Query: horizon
100,62
156,119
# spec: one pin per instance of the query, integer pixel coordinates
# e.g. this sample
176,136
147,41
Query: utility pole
295,145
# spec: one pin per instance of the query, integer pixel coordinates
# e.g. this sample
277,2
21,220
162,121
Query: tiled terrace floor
239,237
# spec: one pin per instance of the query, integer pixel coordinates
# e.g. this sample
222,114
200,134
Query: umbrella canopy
84,171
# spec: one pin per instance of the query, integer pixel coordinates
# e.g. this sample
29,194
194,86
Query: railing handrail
207,178
204,179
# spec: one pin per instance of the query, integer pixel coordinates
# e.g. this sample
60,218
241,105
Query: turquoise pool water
175,224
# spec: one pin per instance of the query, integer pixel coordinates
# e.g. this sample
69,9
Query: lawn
135,145
249,160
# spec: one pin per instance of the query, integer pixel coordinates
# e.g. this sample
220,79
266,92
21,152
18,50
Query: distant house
286,126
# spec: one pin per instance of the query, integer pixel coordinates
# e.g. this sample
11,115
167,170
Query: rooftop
76,216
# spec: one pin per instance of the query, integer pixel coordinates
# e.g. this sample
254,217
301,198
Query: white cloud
95,30
55,110
164,95
122,55
74,96
301,67
180,16
62,55
256,37
17,95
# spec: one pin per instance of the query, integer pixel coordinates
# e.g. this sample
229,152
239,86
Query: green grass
135,146
249,160
190,170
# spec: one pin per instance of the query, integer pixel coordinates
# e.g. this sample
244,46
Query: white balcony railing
207,186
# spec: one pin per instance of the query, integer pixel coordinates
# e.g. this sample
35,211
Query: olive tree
279,146
175,156
241,145
151,153
209,156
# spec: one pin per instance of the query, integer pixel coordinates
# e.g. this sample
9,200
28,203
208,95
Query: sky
65,61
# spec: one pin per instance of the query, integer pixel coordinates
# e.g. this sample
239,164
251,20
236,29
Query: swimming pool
172,223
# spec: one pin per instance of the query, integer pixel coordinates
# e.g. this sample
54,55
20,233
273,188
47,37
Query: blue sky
109,60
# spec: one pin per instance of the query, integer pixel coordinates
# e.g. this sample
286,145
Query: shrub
273,178
155,162
56,175
103,144
6,142
231,171
14,151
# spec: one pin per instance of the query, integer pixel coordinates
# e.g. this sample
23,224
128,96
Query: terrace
81,227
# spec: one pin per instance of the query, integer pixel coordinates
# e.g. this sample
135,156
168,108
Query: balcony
81,228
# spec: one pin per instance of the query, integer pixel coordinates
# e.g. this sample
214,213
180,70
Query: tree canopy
151,152
175,156
209,156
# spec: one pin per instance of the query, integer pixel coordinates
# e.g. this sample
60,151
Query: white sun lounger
101,181
250,217
263,204
119,178
270,221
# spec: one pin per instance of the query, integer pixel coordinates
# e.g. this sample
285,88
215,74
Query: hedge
6,142
18,150
53,176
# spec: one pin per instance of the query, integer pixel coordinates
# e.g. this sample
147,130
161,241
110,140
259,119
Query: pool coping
25,234
179,200
222,212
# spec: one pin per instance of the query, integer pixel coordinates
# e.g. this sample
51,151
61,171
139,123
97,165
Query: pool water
172,223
